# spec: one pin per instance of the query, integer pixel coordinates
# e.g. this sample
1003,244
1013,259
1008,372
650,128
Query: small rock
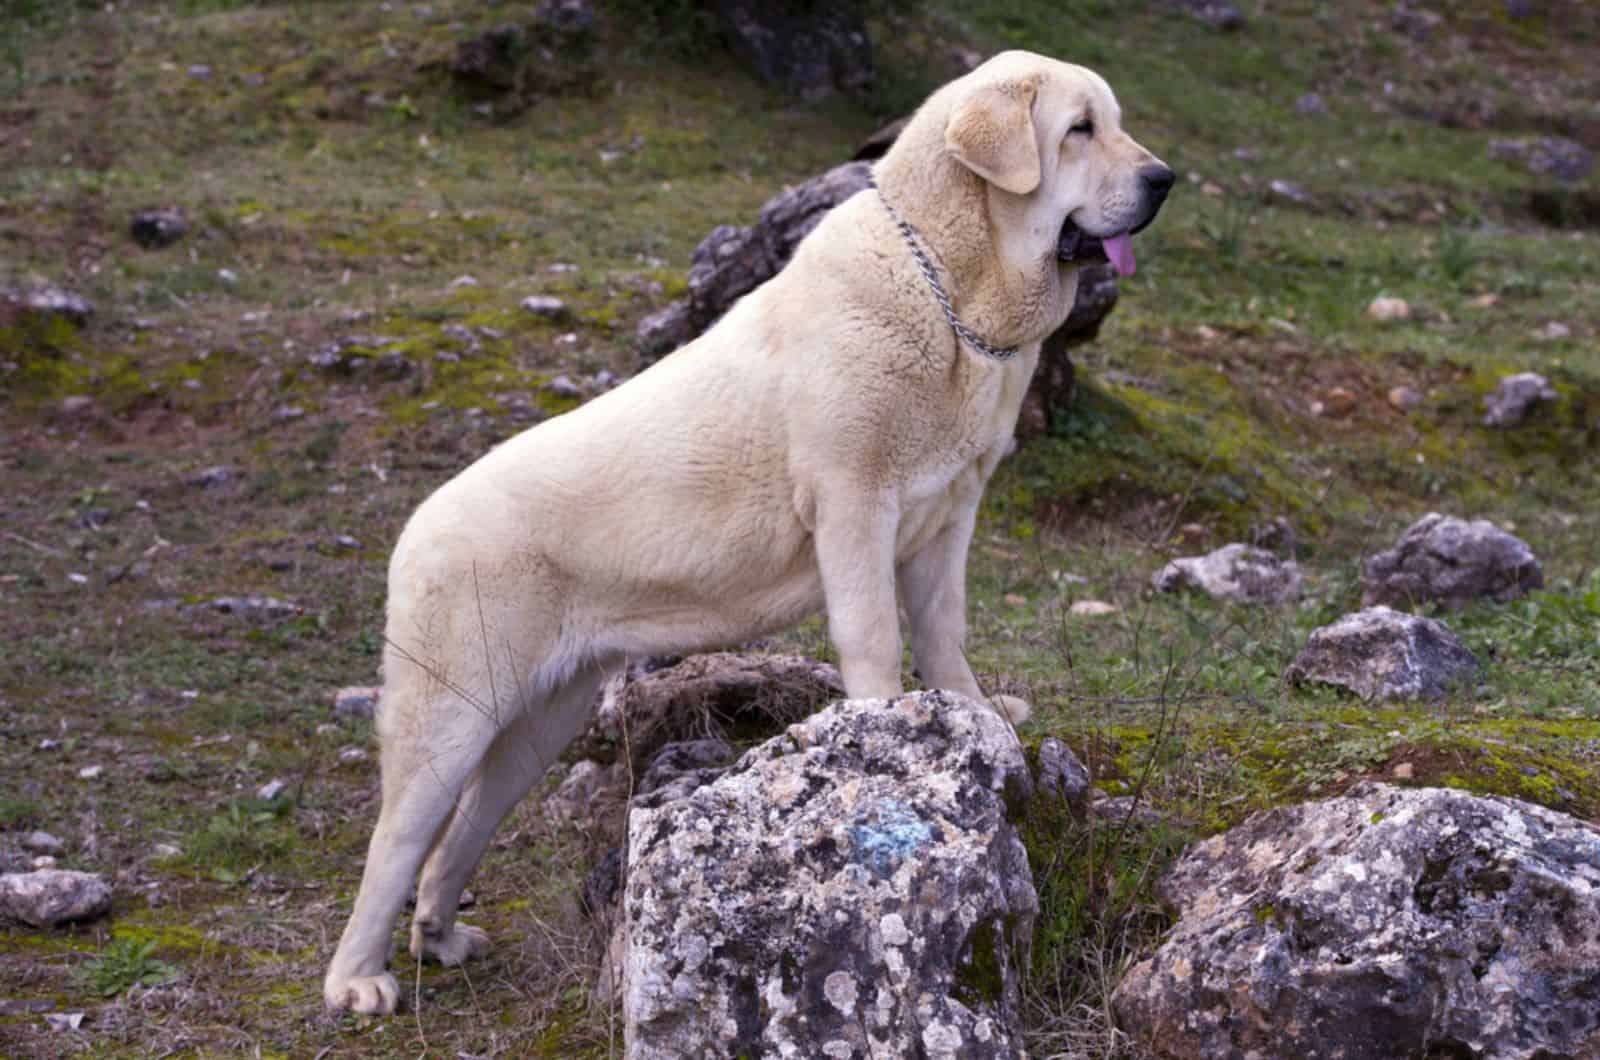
546,307
287,413
252,607
1236,572
1338,402
1293,192
1093,608
1552,156
356,701
570,802
90,772
352,755
212,477
1389,309
45,303
1443,559
272,789
1517,394
160,226
165,851
49,897
1383,654
1554,331
43,861
1016,600
1414,22
63,1021
1061,775
1403,398
43,843
462,281
345,541
562,387
75,405
1310,103
1403,771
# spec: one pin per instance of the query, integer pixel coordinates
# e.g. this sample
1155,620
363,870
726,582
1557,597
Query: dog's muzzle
1080,247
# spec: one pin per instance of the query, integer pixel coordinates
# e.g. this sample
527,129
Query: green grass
326,164
126,963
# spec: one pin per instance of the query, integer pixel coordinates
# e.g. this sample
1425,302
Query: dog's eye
1084,128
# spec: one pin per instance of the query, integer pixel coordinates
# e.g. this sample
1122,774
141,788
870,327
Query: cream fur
823,447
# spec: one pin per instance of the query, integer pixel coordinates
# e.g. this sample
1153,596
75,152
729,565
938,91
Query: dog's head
1047,136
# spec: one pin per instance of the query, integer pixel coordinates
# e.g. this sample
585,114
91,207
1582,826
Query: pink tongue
1120,250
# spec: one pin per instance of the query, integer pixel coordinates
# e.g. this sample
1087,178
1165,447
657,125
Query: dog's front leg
933,584
855,537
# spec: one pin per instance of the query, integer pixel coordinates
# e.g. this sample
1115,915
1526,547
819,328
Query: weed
125,963
244,837
1456,255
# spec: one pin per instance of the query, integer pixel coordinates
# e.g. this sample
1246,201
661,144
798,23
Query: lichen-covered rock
850,889
1378,653
1446,560
1514,398
48,897
1233,572
1385,923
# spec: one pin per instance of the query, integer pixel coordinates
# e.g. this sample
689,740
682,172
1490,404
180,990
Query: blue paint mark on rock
884,836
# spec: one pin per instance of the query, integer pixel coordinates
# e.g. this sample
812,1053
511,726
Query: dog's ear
991,133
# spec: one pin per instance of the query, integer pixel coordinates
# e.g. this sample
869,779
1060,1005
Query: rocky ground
369,264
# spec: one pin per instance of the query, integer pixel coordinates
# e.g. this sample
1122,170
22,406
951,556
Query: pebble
90,772
1094,608
545,306
43,843
352,755
272,789
1384,308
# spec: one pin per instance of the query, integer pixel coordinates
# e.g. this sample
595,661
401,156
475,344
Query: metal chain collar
963,332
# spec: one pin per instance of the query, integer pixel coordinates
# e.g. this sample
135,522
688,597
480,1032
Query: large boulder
1385,923
1379,653
852,888
1446,560
1233,572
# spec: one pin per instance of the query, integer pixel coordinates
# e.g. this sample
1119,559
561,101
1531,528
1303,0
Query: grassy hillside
352,221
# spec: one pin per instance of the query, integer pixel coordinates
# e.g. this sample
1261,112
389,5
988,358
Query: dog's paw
1013,709
369,995
462,942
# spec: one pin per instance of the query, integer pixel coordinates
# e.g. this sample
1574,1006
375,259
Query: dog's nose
1158,180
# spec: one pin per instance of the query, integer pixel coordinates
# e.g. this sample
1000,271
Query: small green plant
127,962
245,836
1227,231
1456,255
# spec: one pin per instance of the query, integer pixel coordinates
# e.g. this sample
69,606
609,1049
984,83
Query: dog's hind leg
515,761
432,748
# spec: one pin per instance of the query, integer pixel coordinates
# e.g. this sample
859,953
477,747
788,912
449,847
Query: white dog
823,447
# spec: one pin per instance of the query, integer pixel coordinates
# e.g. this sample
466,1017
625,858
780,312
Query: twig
46,549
